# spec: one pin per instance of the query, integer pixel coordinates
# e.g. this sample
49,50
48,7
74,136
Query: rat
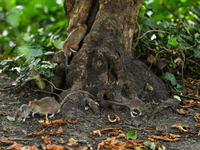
47,105
71,43
135,103
23,111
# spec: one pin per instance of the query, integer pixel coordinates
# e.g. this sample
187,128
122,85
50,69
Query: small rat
47,105
23,111
135,103
73,40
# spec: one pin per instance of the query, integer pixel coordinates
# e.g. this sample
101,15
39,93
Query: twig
137,39
153,31
19,139
45,92
53,85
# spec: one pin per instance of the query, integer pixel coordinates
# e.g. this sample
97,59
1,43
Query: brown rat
23,111
135,103
47,105
71,43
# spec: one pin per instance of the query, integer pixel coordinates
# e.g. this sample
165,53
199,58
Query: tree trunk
105,65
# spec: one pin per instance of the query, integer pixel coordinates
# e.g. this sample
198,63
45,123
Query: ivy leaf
58,44
172,40
132,135
170,77
197,53
11,118
177,97
150,145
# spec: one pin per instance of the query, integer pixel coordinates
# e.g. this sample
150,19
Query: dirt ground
12,99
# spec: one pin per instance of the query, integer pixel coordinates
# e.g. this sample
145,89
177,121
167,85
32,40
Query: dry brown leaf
3,113
164,138
111,120
58,122
15,146
32,148
151,128
46,123
55,132
46,139
199,133
113,133
82,148
117,118
179,128
172,136
188,83
182,129
122,135
5,142
55,147
61,141
182,111
197,125
196,117
43,147
72,142
36,133
67,121
96,132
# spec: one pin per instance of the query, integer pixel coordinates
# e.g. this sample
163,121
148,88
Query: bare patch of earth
13,98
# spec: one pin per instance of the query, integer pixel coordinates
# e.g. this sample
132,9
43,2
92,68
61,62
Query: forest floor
11,99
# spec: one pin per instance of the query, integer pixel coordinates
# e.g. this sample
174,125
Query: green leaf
132,135
197,53
172,40
4,62
11,118
58,44
177,97
150,145
13,18
170,77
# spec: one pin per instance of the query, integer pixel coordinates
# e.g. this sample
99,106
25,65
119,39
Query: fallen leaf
196,117
197,125
55,147
111,120
43,146
32,148
58,122
46,139
4,129
122,135
164,138
5,141
172,136
46,123
3,113
72,142
151,128
113,133
182,111
67,121
199,133
15,146
55,132
36,133
96,132
61,141
182,129
82,148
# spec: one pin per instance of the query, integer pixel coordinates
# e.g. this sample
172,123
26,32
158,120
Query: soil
13,98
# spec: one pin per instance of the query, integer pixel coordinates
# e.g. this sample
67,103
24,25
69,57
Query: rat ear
35,99
29,103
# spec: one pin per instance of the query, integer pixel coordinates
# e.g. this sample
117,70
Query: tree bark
105,65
